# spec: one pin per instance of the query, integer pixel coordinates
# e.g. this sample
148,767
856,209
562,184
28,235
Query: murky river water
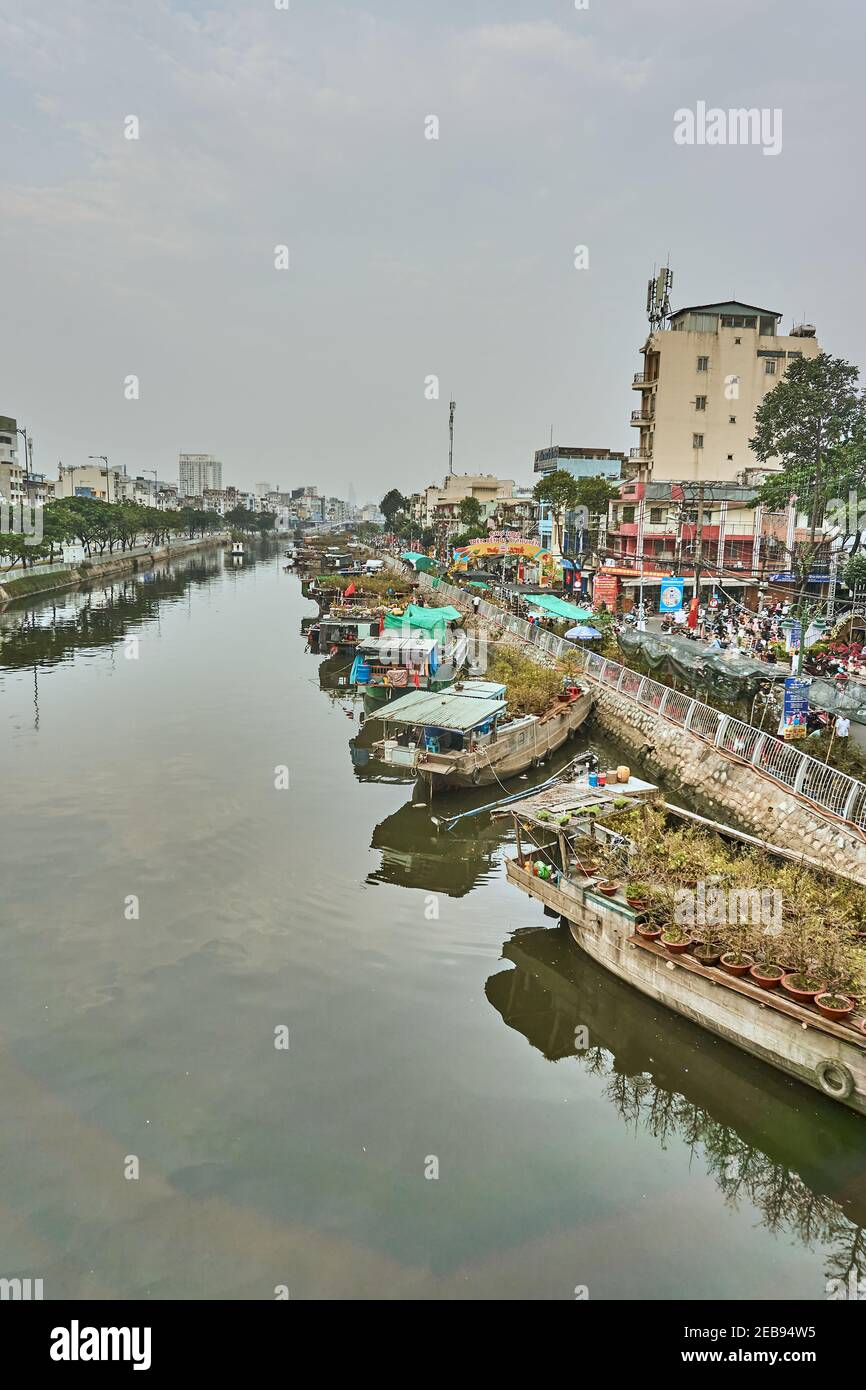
167,910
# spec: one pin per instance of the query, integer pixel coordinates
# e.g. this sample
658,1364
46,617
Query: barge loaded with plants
752,942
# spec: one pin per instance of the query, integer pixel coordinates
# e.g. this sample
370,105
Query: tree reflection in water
793,1158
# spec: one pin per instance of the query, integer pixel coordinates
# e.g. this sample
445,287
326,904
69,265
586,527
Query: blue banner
671,597
795,708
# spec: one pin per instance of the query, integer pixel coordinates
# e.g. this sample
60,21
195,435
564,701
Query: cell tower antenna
658,299
452,406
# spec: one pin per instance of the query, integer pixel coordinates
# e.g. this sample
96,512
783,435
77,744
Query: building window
700,402
628,514
703,364
770,366
655,516
732,419
737,342
730,458
697,441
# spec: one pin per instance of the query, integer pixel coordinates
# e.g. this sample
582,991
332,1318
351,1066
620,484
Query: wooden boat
341,630
463,737
794,1037
391,665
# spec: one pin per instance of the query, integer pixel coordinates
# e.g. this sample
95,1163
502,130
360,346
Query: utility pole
699,542
23,432
452,406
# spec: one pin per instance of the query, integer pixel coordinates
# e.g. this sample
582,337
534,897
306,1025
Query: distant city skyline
427,176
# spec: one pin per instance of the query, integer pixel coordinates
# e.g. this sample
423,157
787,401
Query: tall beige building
704,376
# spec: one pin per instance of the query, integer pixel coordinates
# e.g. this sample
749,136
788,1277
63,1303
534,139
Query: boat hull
777,1031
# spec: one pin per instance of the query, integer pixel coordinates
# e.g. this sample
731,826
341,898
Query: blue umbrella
582,633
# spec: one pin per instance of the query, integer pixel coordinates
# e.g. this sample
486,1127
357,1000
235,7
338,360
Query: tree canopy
812,426
471,514
391,505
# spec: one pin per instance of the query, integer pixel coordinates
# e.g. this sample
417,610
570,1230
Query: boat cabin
345,630
443,721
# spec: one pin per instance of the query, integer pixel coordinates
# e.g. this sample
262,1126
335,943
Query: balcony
643,379
639,454
642,417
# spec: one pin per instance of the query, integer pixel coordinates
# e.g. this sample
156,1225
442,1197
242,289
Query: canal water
435,1128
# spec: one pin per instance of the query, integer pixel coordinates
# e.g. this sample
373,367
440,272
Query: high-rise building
11,471
706,370
198,473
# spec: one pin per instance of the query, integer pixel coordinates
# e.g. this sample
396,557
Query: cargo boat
464,736
791,1036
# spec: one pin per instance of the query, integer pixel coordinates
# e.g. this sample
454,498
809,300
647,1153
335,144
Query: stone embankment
730,786
21,584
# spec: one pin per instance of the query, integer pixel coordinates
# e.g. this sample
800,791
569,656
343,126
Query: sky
409,258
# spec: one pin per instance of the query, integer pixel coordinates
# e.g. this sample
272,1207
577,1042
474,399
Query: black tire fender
835,1079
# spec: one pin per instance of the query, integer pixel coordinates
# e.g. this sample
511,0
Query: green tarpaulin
558,607
425,619
418,561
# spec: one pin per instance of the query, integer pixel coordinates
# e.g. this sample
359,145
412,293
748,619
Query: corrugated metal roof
487,690
442,709
396,644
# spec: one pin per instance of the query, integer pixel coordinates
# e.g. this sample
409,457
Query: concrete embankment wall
734,788
106,567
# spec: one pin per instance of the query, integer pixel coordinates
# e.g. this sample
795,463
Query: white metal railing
824,786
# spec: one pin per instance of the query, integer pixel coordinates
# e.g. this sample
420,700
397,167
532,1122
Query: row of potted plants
814,952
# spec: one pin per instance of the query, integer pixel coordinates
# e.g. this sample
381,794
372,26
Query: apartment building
581,461
198,473
706,370
106,484
658,528
441,505
11,471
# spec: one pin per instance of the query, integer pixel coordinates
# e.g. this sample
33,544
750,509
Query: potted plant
766,971
607,886
839,967
709,952
736,959
799,947
676,940
834,1006
802,986
649,930
637,894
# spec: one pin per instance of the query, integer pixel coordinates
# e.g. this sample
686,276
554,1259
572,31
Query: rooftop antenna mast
451,409
658,297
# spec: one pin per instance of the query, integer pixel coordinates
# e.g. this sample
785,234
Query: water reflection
764,1140
51,630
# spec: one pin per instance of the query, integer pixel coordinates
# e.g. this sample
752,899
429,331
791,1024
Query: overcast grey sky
408,257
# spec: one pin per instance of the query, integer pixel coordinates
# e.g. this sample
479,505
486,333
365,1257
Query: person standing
843,725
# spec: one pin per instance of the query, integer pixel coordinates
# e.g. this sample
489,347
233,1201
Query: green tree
596,494
393,503
471,515
559,491
813,427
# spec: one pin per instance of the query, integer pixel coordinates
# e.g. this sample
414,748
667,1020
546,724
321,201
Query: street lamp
104,458
23,433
